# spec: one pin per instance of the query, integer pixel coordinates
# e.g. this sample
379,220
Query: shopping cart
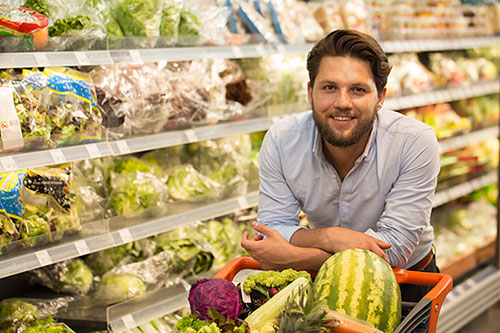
413,314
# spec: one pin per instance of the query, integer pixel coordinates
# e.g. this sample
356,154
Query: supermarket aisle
487,322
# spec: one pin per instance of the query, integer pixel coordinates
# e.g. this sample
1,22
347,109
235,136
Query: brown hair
355,44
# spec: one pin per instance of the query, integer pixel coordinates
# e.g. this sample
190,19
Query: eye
359,90
329,87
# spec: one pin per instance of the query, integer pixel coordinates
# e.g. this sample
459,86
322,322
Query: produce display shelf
461,141
465,263
140,56
128,315
116,231
16,161
444,196
22,160
469,299
448,94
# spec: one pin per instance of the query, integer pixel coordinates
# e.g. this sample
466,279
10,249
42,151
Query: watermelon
360,284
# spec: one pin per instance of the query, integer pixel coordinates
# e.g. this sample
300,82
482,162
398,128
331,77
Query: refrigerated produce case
476,271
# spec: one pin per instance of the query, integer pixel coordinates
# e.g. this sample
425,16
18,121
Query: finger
264,230
381,253
384,245
244,240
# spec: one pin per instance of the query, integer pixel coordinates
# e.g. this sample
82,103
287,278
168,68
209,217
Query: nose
343,100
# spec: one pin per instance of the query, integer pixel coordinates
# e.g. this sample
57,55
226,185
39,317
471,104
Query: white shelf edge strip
140,56
57,253
468,90
154,305
468,300
449,144
455,192
127,146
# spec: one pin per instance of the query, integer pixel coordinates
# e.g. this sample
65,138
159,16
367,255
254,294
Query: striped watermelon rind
361,284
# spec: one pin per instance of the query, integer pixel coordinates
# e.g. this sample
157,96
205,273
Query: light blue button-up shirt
387,194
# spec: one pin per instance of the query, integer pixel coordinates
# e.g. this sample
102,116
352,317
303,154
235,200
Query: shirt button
344,203
334,177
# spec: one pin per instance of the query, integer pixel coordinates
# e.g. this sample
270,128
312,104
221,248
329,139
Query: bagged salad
22,29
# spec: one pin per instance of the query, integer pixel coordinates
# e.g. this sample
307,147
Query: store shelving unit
103,234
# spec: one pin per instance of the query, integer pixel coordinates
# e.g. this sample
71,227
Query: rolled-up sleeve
409,203
278,207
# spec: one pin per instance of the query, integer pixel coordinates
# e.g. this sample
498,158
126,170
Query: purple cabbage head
220,294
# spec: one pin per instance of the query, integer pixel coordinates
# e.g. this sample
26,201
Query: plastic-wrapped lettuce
192,254
137,193
14,313
116,288
170,20
103,261
185,183
70,276
139,18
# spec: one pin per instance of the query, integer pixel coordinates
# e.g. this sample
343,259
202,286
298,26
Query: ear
309,93
381,99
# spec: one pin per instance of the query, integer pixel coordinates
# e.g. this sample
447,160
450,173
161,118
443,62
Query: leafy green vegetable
14,313
65,25
119,287
189,28
77,278
170,19
40,6
184,182
264,280
139,17
102,261
133,193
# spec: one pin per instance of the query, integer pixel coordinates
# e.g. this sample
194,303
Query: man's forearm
308,238
308,258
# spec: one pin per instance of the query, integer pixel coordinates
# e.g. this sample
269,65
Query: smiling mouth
342,118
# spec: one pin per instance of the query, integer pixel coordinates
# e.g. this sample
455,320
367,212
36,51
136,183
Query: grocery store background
129,148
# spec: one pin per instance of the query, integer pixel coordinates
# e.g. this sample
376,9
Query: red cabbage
220,294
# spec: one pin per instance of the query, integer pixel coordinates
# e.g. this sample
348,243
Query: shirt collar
318,143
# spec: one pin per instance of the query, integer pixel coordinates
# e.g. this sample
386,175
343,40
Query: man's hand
336,239
275,252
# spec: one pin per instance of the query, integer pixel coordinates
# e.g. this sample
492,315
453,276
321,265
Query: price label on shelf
123,147
58,156
242,202
125,235
136,57
43,257
259,48
42,59
82,247
281,48
93,150
191,135
129,321
8,163
237,53
82,58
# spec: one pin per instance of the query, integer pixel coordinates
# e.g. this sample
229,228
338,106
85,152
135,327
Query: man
365,176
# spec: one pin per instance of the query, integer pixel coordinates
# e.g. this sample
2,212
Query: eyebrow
355,84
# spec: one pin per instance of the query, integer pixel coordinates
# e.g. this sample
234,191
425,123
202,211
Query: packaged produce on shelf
482,111
55,107
19,315
116,287
301,14
22,29
72,26
40,202
409,75
442,118
461,165
328,14
69,277
259,26
169,96
462,228
446,69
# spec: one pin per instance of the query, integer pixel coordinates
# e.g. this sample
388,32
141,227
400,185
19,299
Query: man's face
344,100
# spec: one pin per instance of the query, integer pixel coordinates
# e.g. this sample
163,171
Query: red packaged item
28,25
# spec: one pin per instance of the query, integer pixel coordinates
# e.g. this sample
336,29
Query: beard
339,140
